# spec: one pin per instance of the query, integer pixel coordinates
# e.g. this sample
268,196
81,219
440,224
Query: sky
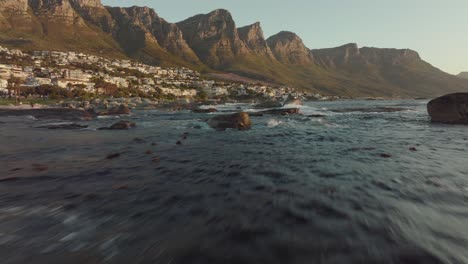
437,29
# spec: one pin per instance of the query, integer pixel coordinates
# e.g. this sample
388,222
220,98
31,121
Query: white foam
273,123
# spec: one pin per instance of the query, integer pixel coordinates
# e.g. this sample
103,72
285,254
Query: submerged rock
385,155
121,125
202,111
120,110
282,111
113,156
450,109
240,121
64,126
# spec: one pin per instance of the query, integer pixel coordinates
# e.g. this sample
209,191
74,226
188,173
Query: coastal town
73,75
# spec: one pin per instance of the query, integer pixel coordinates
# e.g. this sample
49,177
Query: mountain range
213,43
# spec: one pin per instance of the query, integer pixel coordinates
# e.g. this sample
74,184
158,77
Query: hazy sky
437,29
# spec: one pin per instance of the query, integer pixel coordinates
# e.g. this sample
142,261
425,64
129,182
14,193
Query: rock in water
201,111
121,125
269,104
240,121
282,111
121,110
450,109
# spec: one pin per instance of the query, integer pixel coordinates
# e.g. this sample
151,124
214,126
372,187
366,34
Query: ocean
346,182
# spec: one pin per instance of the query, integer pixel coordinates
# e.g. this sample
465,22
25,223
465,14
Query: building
3,87
36,81
65,83
77,75
179,92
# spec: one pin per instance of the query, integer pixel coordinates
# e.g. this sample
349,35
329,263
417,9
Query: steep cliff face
390,56
334,57
138,28
53,11
14,6
130,31
288,48
14,15
214,38
94,12
252,36
350,55
53,25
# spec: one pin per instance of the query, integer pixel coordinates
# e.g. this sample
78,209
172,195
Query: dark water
351,187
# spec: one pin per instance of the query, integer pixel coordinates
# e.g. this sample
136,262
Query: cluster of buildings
73,70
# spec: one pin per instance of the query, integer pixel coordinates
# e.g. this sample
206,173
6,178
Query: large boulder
240,121
450,109
120,110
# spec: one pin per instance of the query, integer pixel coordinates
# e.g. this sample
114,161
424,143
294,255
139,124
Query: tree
202,96
14,83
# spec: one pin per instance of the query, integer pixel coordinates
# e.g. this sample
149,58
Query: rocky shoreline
449,109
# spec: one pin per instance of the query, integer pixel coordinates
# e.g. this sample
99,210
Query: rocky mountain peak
60,10
142,14
289,48
285,36
213,37
94,12
220,13
138,28
252,36
251,32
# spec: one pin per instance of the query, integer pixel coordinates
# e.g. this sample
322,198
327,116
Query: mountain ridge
213,43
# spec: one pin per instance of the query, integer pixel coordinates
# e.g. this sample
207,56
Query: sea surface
368,182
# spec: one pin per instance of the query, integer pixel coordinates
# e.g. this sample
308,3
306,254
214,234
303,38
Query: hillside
213,43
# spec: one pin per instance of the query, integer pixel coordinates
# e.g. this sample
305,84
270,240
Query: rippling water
355,186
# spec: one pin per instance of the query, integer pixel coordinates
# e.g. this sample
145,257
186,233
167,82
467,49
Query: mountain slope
144,35
386,72
51,24
212,42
